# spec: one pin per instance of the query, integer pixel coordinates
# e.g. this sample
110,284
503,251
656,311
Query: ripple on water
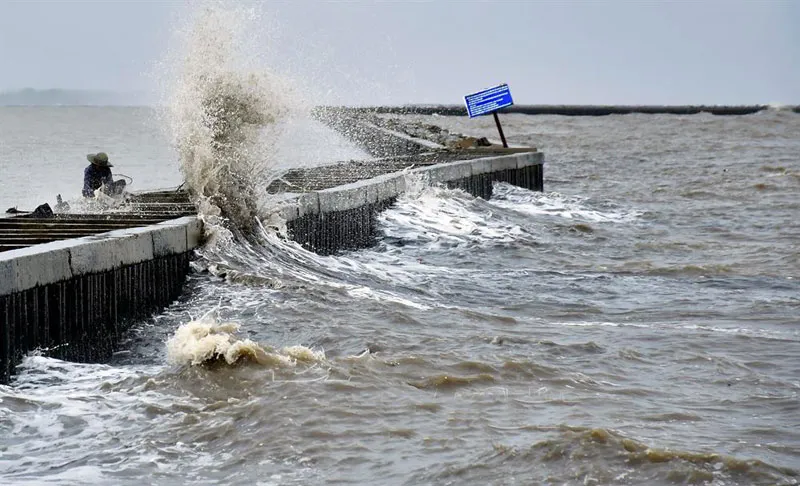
583,455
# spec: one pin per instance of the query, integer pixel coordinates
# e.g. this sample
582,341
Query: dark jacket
94,177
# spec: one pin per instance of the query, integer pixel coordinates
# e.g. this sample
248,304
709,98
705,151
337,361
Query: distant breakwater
579,110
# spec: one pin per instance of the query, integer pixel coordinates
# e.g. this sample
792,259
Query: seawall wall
344,217
72,298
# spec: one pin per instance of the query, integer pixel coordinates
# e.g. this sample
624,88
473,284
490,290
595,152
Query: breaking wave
223,114
561,205
206,341
445,218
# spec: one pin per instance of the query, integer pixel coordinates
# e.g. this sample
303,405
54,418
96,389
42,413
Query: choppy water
637,323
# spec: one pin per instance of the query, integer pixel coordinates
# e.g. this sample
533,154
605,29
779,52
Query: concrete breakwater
71,298
328,220
138,210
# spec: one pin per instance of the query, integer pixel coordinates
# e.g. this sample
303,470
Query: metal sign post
500,129
488,101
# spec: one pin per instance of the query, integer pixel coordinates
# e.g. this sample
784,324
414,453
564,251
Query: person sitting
98,174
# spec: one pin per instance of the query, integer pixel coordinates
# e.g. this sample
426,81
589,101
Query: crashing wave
223,114
205,341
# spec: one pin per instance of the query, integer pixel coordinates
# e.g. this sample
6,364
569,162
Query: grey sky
435,52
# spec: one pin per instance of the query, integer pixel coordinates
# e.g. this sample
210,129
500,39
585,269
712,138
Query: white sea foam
446,218
61,412
558,205
289,257
57,414
756,333
368,293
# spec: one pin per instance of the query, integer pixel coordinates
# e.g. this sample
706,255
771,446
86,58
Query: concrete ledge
36,265
171,239
113,249
349,196
529,158
386,187
49,263
441,173
194,232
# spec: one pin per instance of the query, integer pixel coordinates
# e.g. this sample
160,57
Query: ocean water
636,323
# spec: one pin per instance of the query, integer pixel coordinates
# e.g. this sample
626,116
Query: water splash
223,113
207,341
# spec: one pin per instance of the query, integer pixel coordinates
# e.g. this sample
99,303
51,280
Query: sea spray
223,112
205,341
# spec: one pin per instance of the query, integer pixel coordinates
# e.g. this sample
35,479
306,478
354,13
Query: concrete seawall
344,217
73,298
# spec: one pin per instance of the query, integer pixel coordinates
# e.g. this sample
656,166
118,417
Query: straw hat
99,159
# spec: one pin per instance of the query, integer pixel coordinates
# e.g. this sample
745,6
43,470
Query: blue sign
488,100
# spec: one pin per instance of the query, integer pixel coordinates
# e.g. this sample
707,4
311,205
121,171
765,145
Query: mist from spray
223,112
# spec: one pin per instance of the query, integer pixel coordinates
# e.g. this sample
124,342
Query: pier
72,284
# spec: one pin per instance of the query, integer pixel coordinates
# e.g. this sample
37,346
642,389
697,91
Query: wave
223,113
205,341
446,218
560,205
585,455
677,270
267,259
768,334
449,382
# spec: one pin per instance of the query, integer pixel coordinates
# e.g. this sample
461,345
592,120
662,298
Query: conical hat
99,159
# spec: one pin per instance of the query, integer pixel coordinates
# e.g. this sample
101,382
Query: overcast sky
727,52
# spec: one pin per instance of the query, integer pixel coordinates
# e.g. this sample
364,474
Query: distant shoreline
72,97
582,110
97,98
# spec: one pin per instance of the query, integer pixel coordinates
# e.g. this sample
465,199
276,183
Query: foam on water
789,335
60,414
72,423
445,218
559,205
273,260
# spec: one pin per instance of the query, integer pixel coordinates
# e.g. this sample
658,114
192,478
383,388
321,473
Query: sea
638,322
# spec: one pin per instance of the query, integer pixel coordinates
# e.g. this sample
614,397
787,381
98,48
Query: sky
363,53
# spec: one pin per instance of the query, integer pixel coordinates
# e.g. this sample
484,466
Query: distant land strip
580,110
